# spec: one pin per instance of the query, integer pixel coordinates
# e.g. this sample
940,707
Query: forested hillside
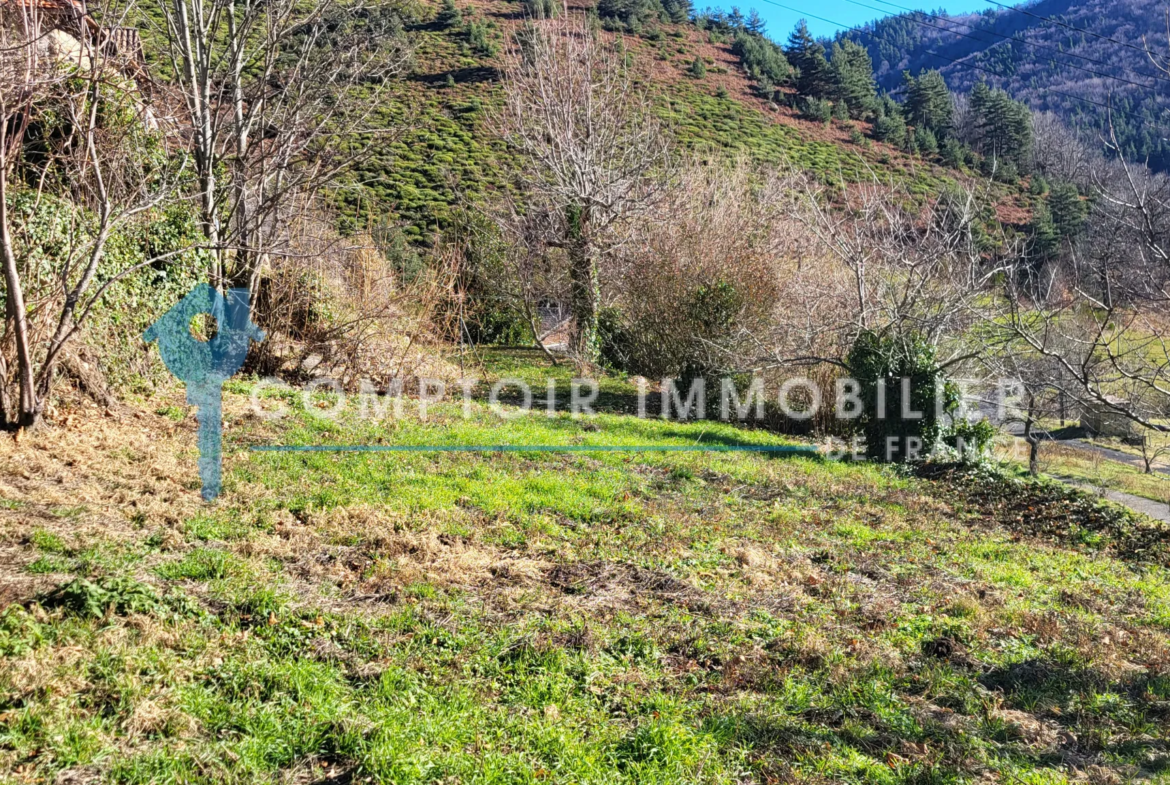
1088,62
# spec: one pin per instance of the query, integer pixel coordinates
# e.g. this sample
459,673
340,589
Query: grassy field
650,617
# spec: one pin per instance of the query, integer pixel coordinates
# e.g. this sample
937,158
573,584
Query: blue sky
781,21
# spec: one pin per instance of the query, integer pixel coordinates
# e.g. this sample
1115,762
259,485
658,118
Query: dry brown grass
92,474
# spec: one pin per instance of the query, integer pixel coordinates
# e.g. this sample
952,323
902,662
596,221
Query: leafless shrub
1059,153
93,172
694,288
885,263
336,306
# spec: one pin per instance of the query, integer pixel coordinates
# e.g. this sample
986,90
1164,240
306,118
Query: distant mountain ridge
1091,55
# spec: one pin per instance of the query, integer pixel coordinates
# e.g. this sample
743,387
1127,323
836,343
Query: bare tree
591,148
1095,318
1152,452
1031,383
914,269
76,144
275,93
1059,153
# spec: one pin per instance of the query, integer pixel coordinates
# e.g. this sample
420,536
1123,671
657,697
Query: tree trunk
584,287
27,409
1033,440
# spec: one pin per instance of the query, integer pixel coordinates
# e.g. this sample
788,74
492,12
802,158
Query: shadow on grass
468,75
1068,694
1052,512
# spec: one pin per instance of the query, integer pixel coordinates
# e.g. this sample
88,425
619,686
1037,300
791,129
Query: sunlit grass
578,618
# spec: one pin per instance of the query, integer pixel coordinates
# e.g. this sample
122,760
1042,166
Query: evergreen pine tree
1003,128
853,81
698,68
677,11
755,24
953,152
762,59
1068,210
925,140
928,102
1045,239
814,77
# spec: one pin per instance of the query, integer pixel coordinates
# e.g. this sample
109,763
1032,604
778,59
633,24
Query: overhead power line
1067,26
1045,89
974,29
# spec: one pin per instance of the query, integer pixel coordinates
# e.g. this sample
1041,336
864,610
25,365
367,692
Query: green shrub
698,68
87,598
891,129
953,152
448,15
479,39
885,367
20,632
970,439
633,15
404,258
1003,170
487,314
816,109
616,343
51,225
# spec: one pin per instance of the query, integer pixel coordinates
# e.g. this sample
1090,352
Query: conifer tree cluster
929,104
1003,131
635,15
814,78
852,78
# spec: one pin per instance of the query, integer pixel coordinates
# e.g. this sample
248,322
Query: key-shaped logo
205,365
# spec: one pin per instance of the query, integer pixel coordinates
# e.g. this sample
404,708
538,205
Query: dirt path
1157,510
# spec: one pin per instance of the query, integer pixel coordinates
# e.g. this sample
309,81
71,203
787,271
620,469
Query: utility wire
1068,26
1025,41
1045,89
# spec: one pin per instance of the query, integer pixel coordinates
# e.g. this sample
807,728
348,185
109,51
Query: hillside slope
447,154
1072,58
